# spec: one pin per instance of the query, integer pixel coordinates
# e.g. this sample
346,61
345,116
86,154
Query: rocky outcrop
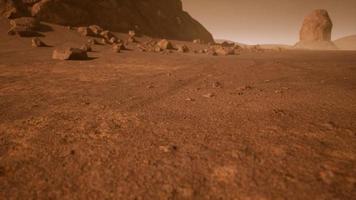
157,18
317,26
316,31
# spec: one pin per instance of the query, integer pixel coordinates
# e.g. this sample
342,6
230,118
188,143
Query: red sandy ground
134,125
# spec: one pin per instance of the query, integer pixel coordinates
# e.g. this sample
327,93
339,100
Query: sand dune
346,43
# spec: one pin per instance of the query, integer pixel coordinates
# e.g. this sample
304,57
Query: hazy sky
268,21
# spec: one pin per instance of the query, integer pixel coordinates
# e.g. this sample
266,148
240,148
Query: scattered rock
168,148
103,41
197,41
224,51
211,53
107,35
85,31
244,88
190,99
209,95
132,39
24,27
86,47
141,48
165,44
132,33
227,44
92,41
113,40
69,54
254,48
118,47
36,42
157,49
96,30
182,49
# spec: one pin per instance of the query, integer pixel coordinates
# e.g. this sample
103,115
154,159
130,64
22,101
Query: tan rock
132,40
92,41
316,32
113,40
197,41
86,47
37,42
225,51
117,48
165,44
69,54
96,29
24,27
107,34
85,31
182,48
157,49
132,33
317,26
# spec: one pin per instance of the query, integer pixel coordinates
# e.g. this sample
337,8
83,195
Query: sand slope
346,43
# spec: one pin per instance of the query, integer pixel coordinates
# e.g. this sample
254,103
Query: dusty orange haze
268,21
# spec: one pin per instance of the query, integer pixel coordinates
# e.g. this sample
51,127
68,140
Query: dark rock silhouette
157,18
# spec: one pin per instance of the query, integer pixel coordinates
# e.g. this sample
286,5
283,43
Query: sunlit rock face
316,31
317,26
157,18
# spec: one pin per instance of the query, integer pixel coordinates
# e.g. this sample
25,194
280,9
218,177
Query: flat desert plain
143,125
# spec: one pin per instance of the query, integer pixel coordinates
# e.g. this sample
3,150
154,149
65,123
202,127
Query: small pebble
209,95
189,99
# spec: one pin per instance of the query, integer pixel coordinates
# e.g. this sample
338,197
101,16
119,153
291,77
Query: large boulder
70,54
316,31
24,27
156,18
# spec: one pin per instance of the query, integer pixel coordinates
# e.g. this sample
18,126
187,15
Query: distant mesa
316,32
156,18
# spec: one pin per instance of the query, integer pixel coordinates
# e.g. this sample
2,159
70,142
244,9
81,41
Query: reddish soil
136,125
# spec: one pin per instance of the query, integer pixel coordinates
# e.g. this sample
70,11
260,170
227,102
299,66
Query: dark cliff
156,18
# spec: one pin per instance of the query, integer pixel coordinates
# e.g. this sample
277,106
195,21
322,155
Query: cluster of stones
28,27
